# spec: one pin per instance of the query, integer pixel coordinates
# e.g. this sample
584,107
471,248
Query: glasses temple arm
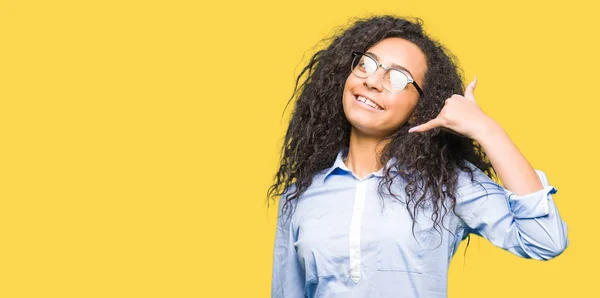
418,88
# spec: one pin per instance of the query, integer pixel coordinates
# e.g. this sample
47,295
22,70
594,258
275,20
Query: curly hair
429,162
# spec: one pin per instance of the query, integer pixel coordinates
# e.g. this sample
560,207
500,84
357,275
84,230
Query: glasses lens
363,66
396,80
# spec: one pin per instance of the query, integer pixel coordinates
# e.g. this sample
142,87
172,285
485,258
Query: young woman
387,166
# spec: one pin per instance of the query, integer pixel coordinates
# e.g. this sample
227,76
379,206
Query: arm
288,276
463,115
522,217
528,225
512,168
536,229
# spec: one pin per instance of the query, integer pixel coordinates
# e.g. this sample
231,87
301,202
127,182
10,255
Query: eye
368,64
398,79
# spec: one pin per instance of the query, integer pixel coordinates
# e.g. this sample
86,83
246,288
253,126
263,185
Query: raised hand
460,114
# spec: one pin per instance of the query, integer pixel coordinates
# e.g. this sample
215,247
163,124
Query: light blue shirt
343,242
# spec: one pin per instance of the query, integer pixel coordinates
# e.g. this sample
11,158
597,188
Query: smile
368,103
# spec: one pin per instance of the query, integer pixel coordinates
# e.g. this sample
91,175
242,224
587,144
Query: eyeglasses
395,78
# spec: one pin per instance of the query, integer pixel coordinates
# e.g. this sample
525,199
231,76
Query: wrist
487,130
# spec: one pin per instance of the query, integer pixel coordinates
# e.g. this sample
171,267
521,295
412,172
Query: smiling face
384,112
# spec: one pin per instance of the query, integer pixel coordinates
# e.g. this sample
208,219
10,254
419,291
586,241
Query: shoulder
318,177
294,197
284,197
475,183
472,176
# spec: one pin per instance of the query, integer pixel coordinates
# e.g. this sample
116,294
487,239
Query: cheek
346,95
352,82
402,108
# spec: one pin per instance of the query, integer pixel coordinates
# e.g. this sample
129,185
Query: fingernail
413,129
475,80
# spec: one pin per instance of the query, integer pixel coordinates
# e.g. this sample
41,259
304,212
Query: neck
363,153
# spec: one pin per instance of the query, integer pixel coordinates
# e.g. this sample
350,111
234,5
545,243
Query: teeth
369,102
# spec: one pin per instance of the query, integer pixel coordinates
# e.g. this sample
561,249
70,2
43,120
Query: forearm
513,169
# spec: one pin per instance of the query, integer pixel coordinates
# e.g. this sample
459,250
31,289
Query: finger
437,122
470,90
448,130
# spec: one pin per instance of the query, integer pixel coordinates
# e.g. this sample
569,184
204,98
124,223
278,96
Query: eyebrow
393,65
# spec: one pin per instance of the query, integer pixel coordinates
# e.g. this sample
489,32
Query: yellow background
138,138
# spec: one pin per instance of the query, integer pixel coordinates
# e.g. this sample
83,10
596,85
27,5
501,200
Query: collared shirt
345,240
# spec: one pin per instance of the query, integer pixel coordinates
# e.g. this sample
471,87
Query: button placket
355,229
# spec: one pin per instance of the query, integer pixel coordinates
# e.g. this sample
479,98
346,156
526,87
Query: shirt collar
339,164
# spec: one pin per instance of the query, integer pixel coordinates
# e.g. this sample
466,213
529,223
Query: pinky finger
427,126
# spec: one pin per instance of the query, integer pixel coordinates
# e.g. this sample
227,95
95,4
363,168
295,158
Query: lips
368,102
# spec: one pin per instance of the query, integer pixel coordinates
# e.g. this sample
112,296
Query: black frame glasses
409,79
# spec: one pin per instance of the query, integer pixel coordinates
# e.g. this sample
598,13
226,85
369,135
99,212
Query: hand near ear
460,114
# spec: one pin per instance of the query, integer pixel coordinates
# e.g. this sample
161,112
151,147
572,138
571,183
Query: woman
386,168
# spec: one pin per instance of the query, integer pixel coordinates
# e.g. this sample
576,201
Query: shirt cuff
534,204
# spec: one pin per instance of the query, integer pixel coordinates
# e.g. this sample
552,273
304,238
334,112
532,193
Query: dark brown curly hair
429,162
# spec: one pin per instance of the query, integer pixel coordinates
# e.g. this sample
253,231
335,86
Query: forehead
401,52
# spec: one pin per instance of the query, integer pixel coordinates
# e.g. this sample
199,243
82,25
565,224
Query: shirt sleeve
528,226
288,275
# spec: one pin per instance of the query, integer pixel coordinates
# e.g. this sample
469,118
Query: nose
375,80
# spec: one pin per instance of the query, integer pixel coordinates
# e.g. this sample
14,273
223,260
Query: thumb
470,90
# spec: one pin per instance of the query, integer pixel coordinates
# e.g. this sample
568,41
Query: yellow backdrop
138,138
